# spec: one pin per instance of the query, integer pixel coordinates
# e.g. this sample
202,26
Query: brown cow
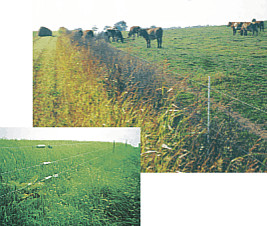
151,34
134,30
249,26
235,26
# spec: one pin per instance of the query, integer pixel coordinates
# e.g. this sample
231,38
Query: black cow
88,35
110,33
115,34
76,35
260,25
151,34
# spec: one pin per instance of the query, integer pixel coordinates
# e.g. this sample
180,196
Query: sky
164,13
121,134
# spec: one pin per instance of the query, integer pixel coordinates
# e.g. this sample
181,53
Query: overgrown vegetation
91,183
98,85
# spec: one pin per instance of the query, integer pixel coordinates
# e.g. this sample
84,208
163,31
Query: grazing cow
76,35
260,25
151,34
115,34
88,35
134,30
118,35
110,33
235,26
249,26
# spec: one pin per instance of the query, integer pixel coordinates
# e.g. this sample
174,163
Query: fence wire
52,162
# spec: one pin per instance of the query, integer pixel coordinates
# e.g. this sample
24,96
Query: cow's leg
148,43
159,40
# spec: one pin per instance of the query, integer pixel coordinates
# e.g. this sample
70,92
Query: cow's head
80,32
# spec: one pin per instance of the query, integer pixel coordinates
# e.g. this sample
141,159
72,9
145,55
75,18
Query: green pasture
92,183
236,64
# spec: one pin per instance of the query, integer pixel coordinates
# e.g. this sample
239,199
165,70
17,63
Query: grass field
97,85
85,183
237,64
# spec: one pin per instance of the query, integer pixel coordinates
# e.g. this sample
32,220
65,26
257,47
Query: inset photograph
70,176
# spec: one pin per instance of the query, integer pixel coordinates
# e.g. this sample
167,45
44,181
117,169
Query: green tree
94,28
121,25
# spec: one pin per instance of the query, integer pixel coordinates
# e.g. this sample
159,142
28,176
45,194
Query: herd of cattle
244,27
116,35
148,33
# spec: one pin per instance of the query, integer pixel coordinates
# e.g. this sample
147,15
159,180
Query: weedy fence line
231,141
124,54
233,126
48,163
210,88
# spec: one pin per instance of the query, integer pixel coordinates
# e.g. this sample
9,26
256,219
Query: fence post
229,122
208,137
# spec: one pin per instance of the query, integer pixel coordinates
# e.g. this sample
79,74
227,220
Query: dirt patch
245,123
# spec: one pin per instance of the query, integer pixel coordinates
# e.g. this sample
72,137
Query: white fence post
208,137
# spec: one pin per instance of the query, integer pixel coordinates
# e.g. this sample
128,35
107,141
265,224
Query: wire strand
47,163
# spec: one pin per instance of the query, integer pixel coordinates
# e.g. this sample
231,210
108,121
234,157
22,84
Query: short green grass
95,185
